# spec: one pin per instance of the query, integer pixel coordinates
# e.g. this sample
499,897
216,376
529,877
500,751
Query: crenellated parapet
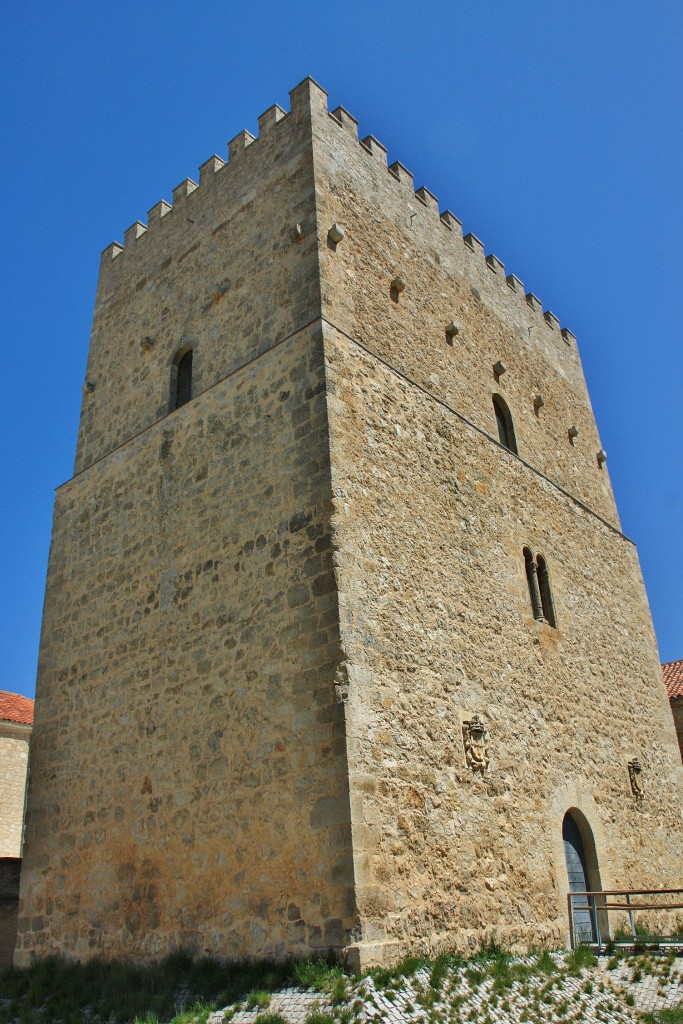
188,195
309,100
399,173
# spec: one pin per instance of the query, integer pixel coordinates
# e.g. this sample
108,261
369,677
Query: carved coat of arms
634,770
476,739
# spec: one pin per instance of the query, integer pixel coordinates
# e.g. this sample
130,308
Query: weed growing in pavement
439,970
258,1000
320,1017
320,975
182,991
427,998
664,1017
545,963
581,958
406,968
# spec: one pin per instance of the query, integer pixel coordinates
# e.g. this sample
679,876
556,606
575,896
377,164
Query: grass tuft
580,958
439,970
664,1017
317,974
545,963
258,1000
320,1017
406,968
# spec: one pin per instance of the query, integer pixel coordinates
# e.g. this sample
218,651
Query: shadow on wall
10,871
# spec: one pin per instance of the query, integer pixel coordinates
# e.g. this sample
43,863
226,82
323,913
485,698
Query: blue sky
552,130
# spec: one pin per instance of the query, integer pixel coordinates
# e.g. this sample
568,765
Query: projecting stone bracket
452,330
398,285
335,234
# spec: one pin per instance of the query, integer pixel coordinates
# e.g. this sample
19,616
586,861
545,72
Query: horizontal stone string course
234,372
460,416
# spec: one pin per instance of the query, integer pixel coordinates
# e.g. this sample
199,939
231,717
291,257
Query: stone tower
333,649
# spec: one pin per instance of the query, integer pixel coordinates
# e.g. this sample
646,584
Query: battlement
304,99
405,179
308,101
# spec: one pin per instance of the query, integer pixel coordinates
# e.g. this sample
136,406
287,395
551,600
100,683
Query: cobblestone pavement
657,988
612,993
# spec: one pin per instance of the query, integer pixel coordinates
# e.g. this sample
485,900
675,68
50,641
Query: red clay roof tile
673,678
15,708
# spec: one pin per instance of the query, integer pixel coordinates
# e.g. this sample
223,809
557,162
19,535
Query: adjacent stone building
343,645
673,680
16,722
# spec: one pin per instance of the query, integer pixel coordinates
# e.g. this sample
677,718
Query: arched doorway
585,929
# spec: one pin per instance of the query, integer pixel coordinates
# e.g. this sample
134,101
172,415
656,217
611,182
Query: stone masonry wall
430,521
269,612
392,231
189,780
222,271
14,743
431,518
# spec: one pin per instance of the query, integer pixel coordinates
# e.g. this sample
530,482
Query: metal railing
599,904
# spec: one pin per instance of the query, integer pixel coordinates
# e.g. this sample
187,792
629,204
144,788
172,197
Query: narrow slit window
506,431
546,592
183,383
532,582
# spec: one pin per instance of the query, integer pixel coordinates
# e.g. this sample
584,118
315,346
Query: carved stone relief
475,738
634,771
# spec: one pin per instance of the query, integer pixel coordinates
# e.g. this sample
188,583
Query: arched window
182,391
506,431
540,594
546,592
